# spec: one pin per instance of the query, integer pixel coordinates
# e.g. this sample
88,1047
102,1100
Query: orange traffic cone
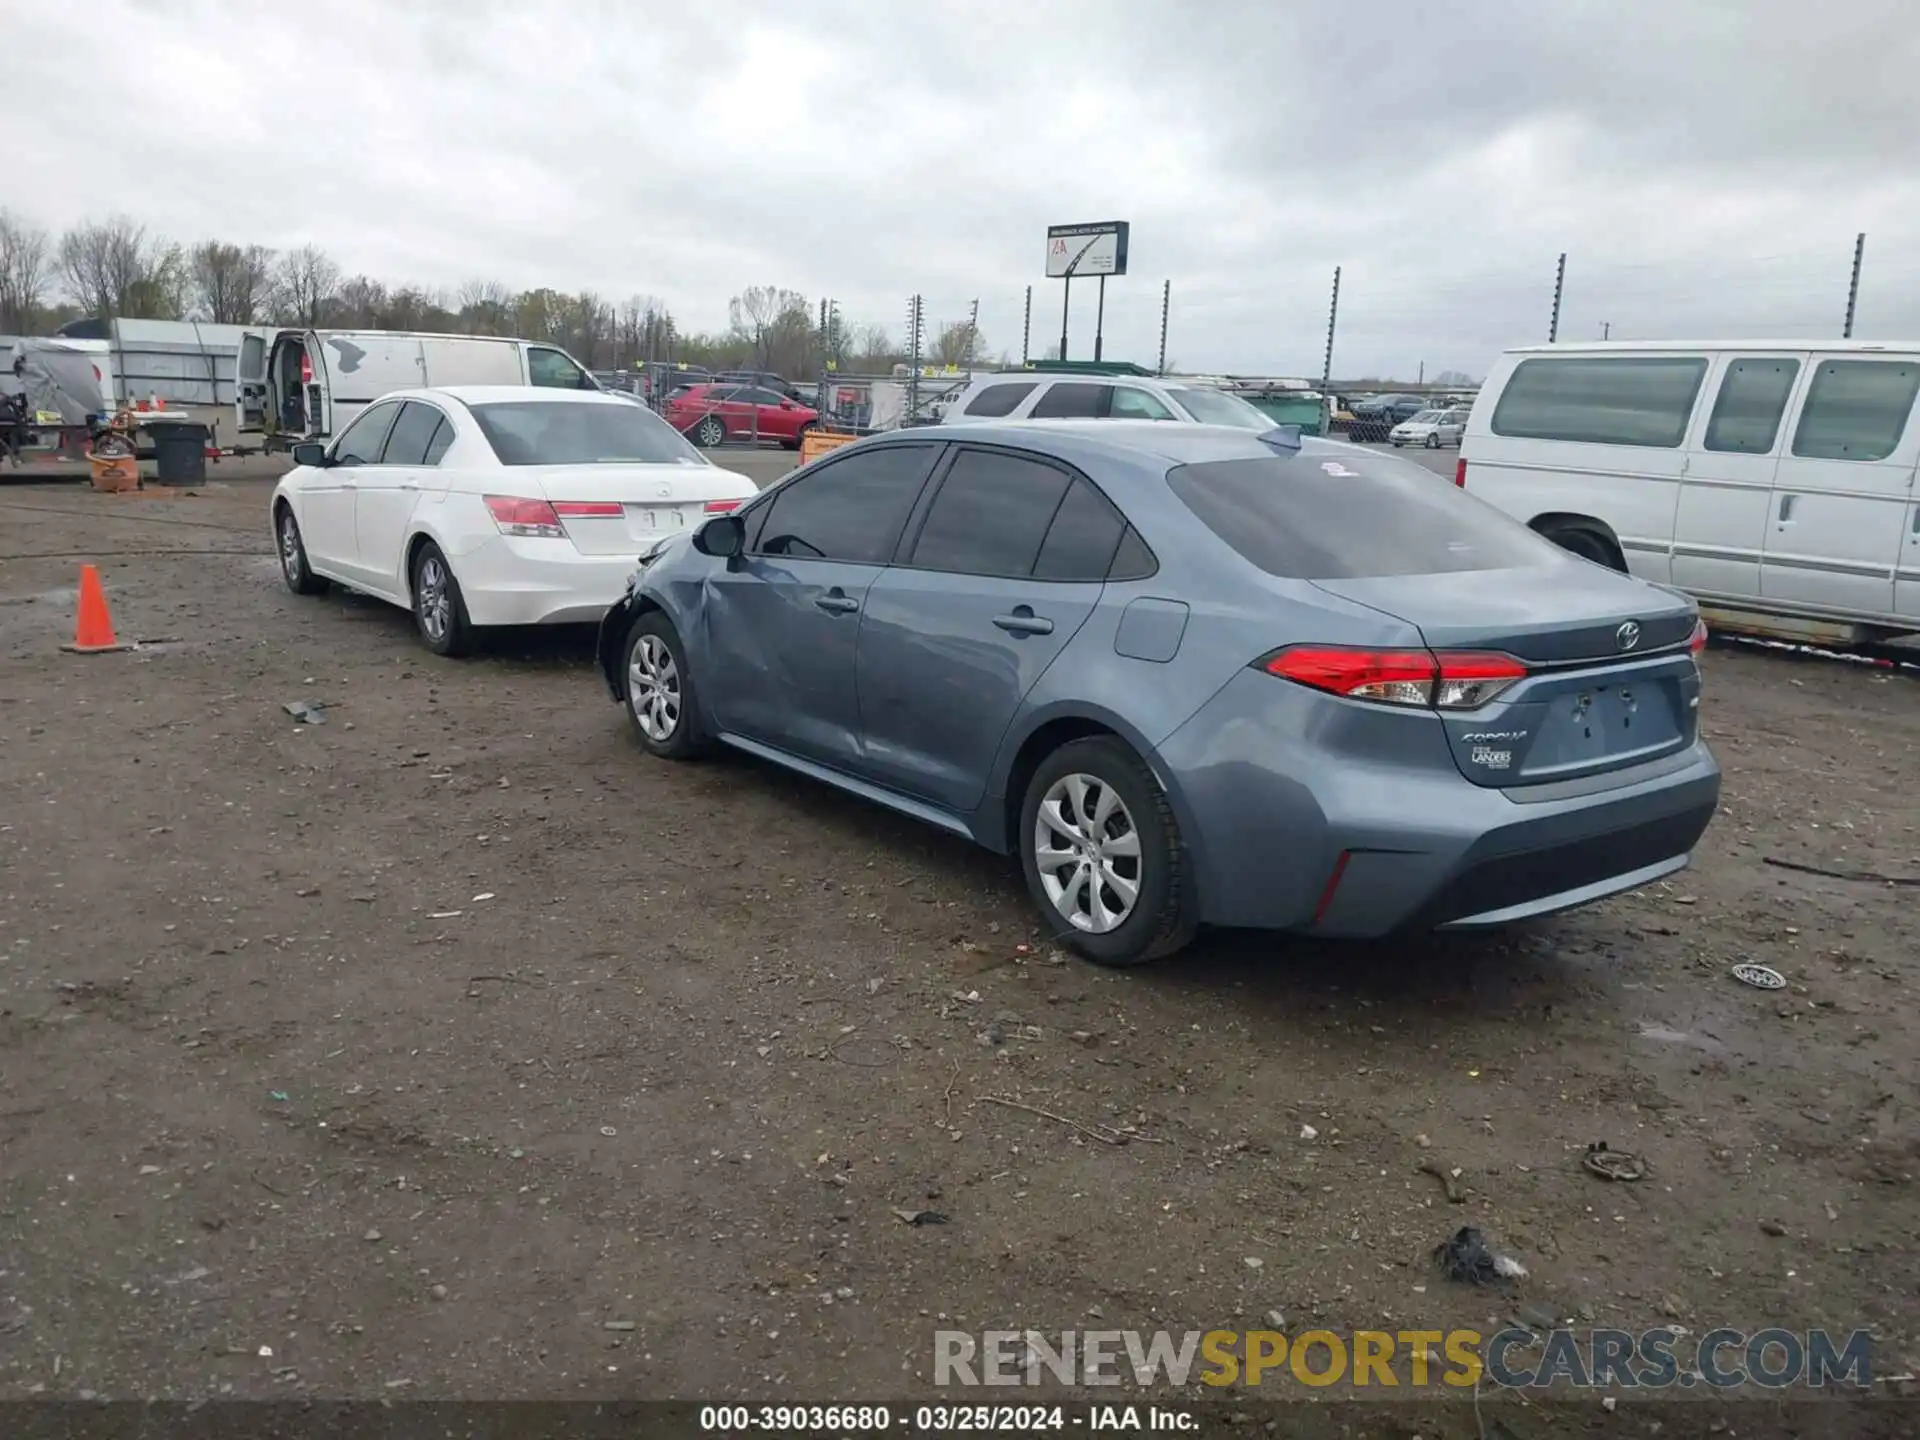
93,631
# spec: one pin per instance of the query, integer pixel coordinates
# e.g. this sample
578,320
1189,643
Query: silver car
1430,428
1187,674
1063,395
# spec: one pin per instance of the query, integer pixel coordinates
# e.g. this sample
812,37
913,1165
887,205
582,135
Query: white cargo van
1773,481
308,384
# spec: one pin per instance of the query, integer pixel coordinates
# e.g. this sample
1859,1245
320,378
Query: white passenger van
309,384
1774,482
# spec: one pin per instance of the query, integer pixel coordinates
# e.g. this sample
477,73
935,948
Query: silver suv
1063,395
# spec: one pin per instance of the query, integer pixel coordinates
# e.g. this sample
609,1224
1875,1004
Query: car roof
1789,347
501,394
1082,442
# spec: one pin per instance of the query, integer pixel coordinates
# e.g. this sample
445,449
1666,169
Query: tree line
116,268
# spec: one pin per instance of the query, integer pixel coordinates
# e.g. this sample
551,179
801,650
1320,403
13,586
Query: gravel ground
455,1048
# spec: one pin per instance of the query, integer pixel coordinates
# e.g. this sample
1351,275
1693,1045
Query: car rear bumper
512,580
1288,833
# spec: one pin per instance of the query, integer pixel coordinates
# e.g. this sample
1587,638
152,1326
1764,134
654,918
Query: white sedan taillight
513,515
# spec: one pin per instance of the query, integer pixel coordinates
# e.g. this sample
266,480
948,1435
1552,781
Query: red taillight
1460,472
515,516
306,370
723,507
1449,680
1698,641
589,509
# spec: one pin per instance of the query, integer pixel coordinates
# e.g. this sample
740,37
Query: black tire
1163,918
1588,545
676,731
710,431
294,568
439,609
799,438
1433,441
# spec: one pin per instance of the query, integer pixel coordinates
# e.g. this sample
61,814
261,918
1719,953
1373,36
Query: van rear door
471,360
250,381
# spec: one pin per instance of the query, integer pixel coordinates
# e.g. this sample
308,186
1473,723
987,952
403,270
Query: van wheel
1588,545
1102,855
710,432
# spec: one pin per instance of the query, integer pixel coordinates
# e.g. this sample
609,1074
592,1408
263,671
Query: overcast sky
1704,164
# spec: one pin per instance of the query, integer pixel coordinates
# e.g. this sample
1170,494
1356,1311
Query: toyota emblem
1628,635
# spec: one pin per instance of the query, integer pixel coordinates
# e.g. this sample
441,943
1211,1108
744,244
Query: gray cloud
1704,165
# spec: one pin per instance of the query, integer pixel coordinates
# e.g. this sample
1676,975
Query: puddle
1692,1039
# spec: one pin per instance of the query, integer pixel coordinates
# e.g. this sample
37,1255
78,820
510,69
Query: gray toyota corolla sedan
1188,675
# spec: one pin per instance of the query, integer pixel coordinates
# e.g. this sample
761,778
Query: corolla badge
1628,635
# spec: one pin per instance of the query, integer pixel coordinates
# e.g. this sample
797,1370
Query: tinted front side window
998,400
412,433
1080,543
1601,401
1071,402
1856,409
1296,520
362,443
553,370
990,516
850,510
1131,404
581,432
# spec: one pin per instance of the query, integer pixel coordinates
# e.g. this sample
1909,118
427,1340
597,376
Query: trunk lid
614,509
1611,681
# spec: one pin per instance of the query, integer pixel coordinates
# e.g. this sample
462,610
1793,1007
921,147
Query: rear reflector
1460,472
1448,680
515,516
1698,642
589,509
723,507
1332,886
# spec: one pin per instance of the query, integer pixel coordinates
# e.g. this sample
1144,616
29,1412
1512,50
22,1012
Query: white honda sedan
492,505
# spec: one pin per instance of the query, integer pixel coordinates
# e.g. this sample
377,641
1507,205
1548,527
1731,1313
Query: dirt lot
454,1048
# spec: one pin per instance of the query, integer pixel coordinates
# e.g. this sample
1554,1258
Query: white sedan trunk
615,509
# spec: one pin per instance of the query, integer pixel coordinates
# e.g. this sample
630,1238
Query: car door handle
835,603
1024,622
1786,509
408,485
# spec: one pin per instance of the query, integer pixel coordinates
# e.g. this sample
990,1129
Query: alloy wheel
653,688
434,599
290,546
1087,851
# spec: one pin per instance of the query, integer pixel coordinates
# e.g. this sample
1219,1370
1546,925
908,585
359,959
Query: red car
711,414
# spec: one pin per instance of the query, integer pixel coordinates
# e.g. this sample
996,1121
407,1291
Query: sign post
1097,248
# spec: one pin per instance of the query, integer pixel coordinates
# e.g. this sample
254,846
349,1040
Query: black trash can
179,452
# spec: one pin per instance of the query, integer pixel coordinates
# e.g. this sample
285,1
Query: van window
1856,409
1131,404
1753,397
998,400
1601,400
554,370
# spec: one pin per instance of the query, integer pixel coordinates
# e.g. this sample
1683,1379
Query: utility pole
1423,374
1166,299
1326,366
1559,285
1853,286
1606,329
973,331
1066,300
913,354
1026,327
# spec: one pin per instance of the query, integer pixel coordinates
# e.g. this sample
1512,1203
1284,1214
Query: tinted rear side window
998,400
1747,411
1071,402
1085,532
990,516
412,434
1856,409
1293,519
1601,400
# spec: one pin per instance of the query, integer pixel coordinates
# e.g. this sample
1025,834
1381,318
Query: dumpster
179,452
815,442
1289,408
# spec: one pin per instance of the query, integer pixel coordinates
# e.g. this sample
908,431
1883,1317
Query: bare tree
306,279
956,344
483,306
26,270
360,302
763,316
871,347
642,330
233,283
114,268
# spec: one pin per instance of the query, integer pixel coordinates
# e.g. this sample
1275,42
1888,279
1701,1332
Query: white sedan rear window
562,432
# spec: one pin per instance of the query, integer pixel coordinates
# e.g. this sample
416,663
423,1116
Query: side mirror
786,404
721,537
310,452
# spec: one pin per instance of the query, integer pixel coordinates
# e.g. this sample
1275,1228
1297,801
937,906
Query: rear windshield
574,432
1311,517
